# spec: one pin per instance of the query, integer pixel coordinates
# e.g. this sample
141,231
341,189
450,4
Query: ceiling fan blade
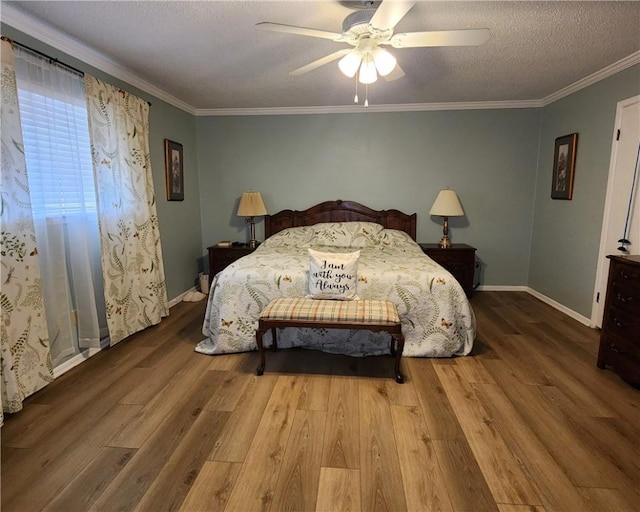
395,74
301,31
468,37
320,62
389,13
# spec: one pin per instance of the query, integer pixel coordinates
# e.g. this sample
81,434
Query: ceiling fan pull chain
355,100
366,96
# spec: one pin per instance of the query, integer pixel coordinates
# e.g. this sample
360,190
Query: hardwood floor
527,423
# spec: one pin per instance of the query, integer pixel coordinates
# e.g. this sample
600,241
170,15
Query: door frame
602,272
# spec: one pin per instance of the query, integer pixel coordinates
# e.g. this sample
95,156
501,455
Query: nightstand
222,257
459,259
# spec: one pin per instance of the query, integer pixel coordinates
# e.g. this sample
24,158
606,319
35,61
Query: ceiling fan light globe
350,63
385,62
368,73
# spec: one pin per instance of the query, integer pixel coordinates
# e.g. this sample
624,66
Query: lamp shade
368,73
251,205
350,63
384,61
447,204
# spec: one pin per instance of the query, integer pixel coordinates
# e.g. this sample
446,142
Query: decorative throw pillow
333,275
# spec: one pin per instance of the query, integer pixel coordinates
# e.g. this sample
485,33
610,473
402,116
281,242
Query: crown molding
359,109
612,69
52,37
606,72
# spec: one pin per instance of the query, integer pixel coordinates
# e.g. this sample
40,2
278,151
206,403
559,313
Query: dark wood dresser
459,259
222,257
620,337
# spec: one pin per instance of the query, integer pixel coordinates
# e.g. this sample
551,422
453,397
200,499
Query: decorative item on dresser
222,257
459,259
620,337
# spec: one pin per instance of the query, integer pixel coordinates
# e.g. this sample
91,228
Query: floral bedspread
437,319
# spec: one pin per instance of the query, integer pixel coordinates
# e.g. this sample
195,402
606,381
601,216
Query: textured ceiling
209,55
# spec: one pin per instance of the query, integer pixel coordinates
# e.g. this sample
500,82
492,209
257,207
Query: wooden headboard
339,211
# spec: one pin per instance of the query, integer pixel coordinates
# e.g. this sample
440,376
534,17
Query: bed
437,318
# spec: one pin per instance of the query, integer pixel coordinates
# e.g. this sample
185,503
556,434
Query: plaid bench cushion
348,311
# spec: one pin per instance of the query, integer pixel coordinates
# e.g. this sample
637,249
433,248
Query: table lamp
446,205
251,205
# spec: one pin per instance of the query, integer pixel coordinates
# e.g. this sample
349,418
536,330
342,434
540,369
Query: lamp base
253,243
445,243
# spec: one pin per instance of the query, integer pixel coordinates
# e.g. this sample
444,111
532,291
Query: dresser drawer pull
620,324
614,348
623,299
627,276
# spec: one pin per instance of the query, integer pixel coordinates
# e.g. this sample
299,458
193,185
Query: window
55,131
56,142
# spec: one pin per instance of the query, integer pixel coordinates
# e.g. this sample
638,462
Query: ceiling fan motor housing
357,22
360,4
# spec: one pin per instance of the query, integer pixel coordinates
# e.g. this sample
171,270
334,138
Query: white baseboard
79,358
547,300
501,288
104,343
179,298
561,307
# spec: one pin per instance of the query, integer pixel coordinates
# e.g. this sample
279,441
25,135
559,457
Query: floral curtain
26,362
53,117
133,270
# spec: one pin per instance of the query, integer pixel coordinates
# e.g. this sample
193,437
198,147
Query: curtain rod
51,59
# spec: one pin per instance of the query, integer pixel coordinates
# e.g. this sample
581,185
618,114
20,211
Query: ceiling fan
370,28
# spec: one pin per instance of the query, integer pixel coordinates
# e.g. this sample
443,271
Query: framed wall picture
564,166
174,170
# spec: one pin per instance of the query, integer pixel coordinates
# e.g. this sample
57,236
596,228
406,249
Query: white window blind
56,142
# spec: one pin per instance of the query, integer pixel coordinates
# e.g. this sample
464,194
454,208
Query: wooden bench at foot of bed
369,315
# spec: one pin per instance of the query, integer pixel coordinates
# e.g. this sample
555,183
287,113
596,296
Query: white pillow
291,237
398,240
333,275
346,234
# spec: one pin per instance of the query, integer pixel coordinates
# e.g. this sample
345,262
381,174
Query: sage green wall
566,234
180,230
383,160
